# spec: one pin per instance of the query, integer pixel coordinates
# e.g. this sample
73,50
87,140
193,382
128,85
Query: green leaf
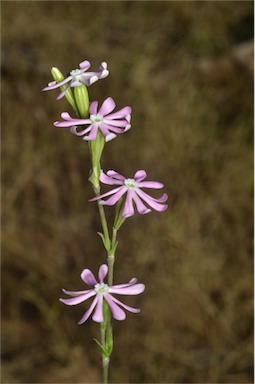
118,219
94,177
109,341
102,349
105,242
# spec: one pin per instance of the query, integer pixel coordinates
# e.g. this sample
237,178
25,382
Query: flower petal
93,133
103,71
115,190
98,315
141,208
71,122
128,207
122,113
127,307
106,179
93,107
54,84
116,123
131,282
103,270
76,81
75,293
84,65
83,132
106,130
107,106
132,290
78,299
62,94
116,197
115,129
117,312
91,80
115,175
110,137
152,202
103,128
140,175
66,116
89,311
150,184
161,199
88,277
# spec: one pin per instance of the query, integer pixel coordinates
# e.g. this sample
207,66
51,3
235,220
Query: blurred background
186,68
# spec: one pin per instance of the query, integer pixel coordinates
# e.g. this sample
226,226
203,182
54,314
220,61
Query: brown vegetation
185,70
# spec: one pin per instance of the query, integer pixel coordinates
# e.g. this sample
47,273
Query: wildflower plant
97,125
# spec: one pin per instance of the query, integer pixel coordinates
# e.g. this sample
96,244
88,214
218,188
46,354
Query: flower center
96,118
130,183
76,73
101,288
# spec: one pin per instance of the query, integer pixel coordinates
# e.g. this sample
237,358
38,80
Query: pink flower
108,123
78,76
102,291
134,194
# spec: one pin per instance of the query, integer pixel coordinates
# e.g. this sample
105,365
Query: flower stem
114,235
111,256
105,360
110,246
106,327
105,370
103,220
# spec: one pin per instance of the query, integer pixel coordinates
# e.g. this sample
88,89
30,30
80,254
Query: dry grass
175,63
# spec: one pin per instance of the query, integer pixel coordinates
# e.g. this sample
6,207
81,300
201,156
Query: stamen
96,118
130,183
76,72
101,288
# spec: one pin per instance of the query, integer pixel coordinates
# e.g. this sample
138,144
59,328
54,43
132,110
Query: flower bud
96,148
58,76
82,100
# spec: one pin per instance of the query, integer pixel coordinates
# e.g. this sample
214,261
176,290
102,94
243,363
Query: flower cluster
101,291
92,119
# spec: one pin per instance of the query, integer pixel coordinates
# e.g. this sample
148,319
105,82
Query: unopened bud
96,148
82,100
58,76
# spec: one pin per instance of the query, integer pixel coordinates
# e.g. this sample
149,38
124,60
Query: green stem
105,361
106,327
81,106
103,220
105,370
114,235
111,256
110,246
